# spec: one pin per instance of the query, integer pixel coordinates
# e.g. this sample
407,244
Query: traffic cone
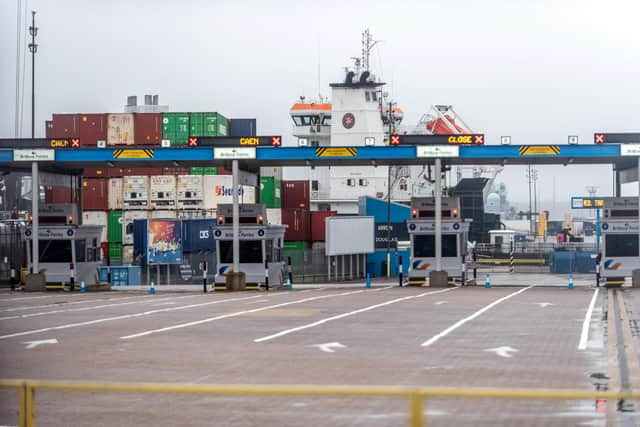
152,288
570,286
368,280
487,281
83,289
288,286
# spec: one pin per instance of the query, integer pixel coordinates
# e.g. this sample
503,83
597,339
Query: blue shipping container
198,235
140,235
242,127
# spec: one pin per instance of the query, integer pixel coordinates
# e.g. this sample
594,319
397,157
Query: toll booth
261,246
421,227
620,239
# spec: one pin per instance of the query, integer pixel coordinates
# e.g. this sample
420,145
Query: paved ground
506,336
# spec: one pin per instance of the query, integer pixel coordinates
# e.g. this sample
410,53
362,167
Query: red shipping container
318,224
93,128
94,194
298,224
295,195
147,128
175,171
64,126
141,171
94,173
57,194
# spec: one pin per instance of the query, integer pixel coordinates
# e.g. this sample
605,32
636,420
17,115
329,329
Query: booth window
424,246
250,251
621,245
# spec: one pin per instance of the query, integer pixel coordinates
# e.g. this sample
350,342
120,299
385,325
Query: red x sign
75,143
478,139
599,138
395,139
276,141
193,142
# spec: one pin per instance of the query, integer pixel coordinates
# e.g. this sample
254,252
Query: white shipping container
135,190
120,129
127,224
127,254
163,214
217,189
96,218
163,191
274,216
116,202
190,193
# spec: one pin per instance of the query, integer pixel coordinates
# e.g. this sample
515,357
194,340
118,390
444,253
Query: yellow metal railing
416,396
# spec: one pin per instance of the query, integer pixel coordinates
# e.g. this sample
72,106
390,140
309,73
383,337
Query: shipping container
116,201
115,253
163,214
274,216
242,127
198,235
94,173
127,224
93,128
295,195
318,224
64,126
272,171
190,192
175,171
297,221
140,236
203,171
217,189
114,227
208,124
175,128
59,194
141,171
97,218
294,252
120,129
295,246
148,128
135,192
163,192
94,194
270,192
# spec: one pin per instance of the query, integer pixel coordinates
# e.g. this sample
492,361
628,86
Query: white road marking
343,315
256,301
93,307
441,302
504,351
543,304
25,298
125,316
34,344
65,303
329,346
584,335
459,323
240,313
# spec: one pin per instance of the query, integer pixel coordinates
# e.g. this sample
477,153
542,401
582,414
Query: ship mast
367,45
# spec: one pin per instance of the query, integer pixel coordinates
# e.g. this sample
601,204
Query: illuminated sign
464,139
616,138
249,141
243,141
587,202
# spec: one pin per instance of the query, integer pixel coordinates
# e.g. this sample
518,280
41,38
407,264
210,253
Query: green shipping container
295,246
208,124
296,251
114,227
175,128
270,192
203,171
115,253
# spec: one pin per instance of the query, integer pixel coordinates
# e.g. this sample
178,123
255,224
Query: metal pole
33,48
438,209
389,115
530,216
35,229
597,230
236,217
639,201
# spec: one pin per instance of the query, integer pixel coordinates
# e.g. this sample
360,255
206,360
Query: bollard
368,285
511,265
12,276
204,276
475,270
570,286
400,272
152,288
598,260
72,277
464,270
290,275
266,275
487,282
83,289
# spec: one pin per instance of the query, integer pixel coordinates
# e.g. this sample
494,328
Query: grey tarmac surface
232,338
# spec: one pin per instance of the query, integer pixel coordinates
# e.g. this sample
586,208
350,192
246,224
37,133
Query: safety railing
415,396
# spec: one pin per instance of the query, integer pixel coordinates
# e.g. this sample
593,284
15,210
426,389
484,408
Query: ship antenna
367,45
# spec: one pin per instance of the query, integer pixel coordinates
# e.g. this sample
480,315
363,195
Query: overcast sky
536,70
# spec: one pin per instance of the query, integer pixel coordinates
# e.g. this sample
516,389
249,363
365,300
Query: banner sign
164,242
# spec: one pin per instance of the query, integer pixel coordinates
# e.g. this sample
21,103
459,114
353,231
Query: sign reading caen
242,141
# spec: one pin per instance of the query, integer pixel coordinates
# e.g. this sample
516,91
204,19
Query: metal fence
313,266
12,248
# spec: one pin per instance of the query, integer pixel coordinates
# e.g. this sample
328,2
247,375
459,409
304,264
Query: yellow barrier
415,396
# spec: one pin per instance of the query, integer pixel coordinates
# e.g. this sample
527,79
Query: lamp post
33,48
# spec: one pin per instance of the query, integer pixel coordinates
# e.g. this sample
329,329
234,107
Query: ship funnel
364,77
349,79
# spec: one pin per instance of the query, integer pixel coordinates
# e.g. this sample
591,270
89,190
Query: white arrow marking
503,351
34,344
442,302
329,347
543,304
